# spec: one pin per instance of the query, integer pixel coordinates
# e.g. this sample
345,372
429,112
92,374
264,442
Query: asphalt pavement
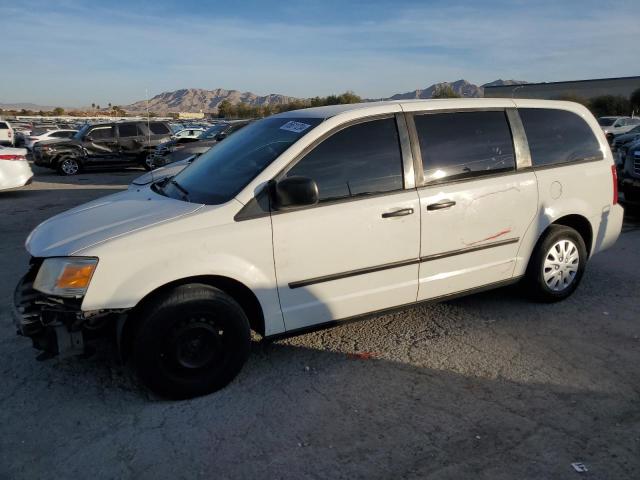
490,386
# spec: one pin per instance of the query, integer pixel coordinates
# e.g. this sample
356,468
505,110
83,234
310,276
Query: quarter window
159,129
461,145
558,136
128,130
363,159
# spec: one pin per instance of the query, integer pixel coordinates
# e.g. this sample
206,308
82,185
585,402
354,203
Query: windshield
219,174
606,121
213,131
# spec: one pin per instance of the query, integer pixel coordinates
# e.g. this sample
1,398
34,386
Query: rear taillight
12,157
614,177
10,133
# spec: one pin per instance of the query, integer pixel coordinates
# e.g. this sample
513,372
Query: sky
73,53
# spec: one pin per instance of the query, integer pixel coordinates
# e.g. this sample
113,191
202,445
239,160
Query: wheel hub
561,265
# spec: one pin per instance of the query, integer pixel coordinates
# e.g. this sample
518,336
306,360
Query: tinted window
4,126
128,130
62,134
558,136
220,173
159,129
464,144
362,159
102,133
606,121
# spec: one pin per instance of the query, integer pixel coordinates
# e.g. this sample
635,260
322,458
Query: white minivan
309,218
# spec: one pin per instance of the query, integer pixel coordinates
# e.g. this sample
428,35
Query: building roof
562,82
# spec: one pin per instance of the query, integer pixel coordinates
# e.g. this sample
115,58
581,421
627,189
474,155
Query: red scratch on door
492,237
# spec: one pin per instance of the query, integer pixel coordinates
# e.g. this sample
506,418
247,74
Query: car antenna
146,95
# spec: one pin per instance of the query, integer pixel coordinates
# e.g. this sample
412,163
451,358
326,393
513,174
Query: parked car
33,140
311,217
623,138
6,133
630,173
622,152
189,133
180,149
14,168
114,144
612,126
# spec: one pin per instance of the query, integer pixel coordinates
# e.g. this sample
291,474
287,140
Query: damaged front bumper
55,325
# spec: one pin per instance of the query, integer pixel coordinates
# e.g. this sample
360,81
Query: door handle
441,205
398,213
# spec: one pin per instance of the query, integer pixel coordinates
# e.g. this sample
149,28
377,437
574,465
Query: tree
224,109
58,111
444,90
93,106
572,97
634,99
610,105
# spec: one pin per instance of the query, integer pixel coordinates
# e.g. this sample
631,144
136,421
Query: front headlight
65,276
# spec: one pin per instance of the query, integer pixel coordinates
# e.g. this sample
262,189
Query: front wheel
148,161
192,342
557,264
68,166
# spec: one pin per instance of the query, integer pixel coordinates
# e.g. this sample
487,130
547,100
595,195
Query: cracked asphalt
489,386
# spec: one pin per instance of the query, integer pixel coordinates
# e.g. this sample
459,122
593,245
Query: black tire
145,161
191,342
535,281
68,166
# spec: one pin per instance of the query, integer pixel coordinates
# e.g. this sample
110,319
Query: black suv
181,148
117,144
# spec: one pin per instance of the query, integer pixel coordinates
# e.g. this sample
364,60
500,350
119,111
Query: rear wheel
192,342
68,166
557,265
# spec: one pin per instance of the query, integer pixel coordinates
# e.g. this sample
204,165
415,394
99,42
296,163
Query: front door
357,250
475,204
102,145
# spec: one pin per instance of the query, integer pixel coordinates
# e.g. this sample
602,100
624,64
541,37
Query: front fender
133,266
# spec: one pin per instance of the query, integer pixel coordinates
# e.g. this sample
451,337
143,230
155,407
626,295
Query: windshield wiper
181,188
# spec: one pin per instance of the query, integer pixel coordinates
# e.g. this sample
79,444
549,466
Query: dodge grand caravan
309,218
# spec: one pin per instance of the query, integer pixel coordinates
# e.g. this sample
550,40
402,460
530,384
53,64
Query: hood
103,219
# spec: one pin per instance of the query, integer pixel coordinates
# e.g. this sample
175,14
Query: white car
188,133
14,168
32,140
309,218
7,135
613,126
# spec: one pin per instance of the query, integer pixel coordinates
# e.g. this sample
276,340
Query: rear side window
460,145
159,129
558,136
4,126
362,159
62,134
128,130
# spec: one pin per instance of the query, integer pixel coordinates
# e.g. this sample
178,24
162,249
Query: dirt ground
489,386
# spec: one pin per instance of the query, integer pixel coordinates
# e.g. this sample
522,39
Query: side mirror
221,136
294,192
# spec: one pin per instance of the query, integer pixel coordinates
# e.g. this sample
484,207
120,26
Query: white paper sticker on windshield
296,127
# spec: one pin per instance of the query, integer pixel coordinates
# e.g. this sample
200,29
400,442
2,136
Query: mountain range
200,100
207,101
